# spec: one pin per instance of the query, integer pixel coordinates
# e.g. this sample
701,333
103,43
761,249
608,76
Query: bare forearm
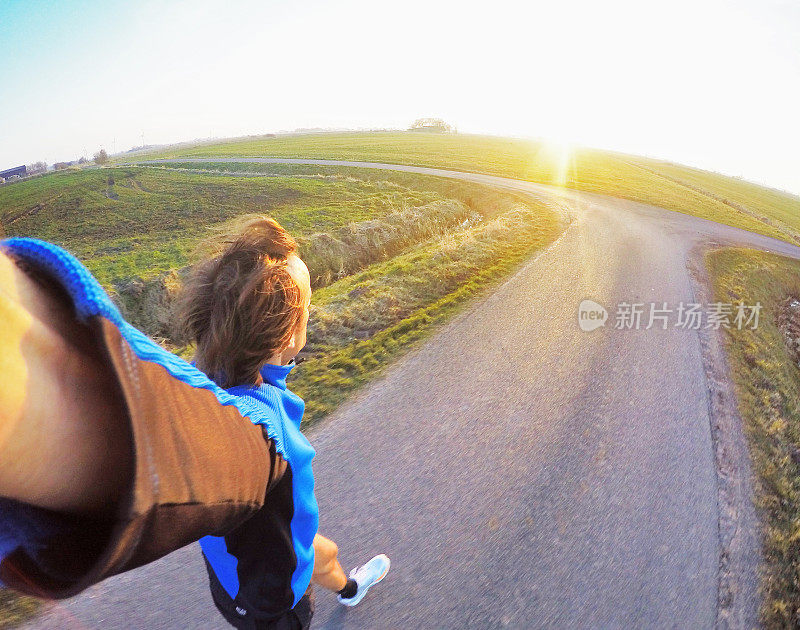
64,444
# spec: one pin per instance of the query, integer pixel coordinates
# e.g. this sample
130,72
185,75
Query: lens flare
557,158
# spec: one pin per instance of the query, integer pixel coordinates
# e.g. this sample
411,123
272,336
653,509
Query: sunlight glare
557,157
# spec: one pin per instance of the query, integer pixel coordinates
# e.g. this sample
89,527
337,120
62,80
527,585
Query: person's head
247,304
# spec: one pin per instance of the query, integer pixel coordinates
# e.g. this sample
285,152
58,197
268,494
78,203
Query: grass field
692,191
147,221
391,254
764,364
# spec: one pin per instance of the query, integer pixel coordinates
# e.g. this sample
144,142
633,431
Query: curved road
522,473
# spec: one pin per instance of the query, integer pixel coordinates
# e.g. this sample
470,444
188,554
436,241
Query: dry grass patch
16,609
767,380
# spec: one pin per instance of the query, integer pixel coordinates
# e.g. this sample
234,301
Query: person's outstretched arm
64,440
113,452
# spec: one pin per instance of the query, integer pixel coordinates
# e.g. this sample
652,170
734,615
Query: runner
246,310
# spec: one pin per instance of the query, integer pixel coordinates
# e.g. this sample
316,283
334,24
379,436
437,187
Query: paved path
520,472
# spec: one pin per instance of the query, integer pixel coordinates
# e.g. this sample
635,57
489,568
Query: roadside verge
756,424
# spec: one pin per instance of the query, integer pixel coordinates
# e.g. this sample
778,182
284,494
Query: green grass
480,198
771,207
767,385
707,195
392,253
158,216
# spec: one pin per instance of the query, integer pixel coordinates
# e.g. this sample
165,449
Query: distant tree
101,157
37,167
60,166
82,160
431,124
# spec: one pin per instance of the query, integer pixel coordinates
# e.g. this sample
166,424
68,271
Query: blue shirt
274,397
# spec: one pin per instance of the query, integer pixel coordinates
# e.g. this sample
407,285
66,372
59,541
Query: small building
19,171
431,125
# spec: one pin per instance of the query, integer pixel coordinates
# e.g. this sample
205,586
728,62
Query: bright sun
556,156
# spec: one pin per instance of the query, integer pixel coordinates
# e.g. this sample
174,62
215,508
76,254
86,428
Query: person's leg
328,573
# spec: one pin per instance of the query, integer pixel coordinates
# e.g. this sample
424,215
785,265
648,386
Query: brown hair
241,305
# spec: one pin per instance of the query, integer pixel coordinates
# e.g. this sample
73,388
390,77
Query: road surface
519,471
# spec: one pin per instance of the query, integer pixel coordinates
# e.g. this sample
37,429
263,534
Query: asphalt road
519,471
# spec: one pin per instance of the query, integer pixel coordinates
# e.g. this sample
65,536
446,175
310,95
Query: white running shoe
366,576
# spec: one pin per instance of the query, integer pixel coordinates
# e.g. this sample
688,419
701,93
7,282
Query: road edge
738,596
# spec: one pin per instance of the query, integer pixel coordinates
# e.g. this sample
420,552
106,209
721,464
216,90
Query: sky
702,82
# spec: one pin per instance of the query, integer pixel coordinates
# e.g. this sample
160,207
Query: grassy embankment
767,377
390,256
396,303
692,191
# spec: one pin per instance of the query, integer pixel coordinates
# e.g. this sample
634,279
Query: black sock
349,589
